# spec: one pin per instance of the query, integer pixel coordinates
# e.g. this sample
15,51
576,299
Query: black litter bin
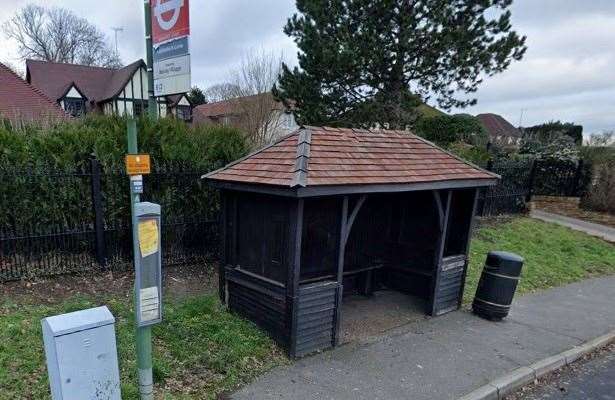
497,285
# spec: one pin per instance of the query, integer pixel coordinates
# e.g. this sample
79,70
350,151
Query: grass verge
554,255
200,350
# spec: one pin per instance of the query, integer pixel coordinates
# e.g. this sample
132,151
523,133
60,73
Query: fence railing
55,222
525,178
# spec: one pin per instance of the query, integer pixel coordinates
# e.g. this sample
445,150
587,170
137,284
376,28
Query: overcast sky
567,74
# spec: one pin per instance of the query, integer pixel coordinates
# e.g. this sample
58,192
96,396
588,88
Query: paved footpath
602,231
448,356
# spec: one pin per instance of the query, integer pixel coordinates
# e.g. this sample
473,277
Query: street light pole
151,100
116,30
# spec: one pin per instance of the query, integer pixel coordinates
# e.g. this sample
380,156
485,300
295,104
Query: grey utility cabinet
82,356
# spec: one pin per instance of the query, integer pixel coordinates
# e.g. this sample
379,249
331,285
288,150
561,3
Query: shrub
601,193
445,130
71,144
36,193
547,132
476,154
559,148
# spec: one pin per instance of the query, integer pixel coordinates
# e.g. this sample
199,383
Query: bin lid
64,324
506,256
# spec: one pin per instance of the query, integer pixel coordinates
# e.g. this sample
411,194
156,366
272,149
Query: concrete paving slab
593,229
448,356
486,392
548,364
513,380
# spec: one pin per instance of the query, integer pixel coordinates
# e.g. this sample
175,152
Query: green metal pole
143,335
152,106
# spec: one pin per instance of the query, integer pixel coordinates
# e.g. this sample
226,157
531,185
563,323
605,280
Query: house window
74,107
139,108
184,113
288,120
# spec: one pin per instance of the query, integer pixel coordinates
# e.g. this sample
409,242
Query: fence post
97,209
530,191
577,178
485,191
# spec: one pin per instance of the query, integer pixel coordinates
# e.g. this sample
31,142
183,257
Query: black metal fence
524,178
64,221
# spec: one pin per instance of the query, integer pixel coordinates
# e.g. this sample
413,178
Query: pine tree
372,62
196,96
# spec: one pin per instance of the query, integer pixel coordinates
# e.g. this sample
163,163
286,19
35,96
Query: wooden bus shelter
327,211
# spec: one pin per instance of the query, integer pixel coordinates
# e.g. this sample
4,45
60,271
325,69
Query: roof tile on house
96,83
320,156
497,126
21,102
232,106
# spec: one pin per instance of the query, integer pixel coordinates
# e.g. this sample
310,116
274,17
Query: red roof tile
22,103
497,126
232,107
314,156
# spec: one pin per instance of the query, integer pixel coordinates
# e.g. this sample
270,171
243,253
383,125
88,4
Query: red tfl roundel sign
170,19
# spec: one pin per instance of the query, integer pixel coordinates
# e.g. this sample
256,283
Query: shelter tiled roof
96,83
22,103
320,156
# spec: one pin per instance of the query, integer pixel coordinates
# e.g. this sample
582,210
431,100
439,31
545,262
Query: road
592,379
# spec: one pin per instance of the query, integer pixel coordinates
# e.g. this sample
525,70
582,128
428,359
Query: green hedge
70,145
549,131
445,130
461,134
45,172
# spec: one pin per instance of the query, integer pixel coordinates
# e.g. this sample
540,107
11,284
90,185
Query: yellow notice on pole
148,237
138,164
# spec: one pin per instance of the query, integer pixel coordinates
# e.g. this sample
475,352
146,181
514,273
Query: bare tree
221,92
16,69
57,34
258,113
602,139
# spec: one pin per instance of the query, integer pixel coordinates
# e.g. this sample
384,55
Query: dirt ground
178,282
366,318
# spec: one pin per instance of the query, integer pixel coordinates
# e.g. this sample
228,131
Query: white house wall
73,94
162,110
143,76
135,90
184,101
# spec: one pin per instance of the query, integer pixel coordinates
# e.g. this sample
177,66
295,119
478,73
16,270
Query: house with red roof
22,103
81,89
259,112
500,131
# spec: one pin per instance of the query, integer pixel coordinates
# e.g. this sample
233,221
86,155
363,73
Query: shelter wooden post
443,213
294,271
467,248
340,271
345,227
223,246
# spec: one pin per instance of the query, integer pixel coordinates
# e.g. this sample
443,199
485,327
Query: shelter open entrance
363,212
391,252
